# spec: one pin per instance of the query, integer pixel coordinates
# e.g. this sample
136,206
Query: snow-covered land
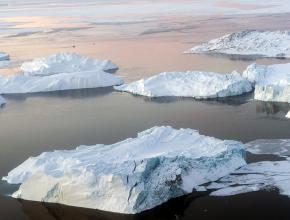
288,115
252,42
2,101
129,176
4,56
62,71
199,85
272,83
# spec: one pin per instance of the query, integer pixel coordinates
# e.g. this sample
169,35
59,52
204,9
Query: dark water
31,124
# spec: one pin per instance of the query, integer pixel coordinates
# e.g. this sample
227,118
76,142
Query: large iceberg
250,42
129,176
272,83
63,71
65,63
199,85
4,56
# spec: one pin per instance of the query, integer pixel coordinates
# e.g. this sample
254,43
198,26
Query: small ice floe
272,83
249,43
2,101
129,176
279,147
254,177
4,56
198,85
64,71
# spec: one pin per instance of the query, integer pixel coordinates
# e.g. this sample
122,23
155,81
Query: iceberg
129,176
4,56
288,115
2,101
272,83
65,63
250,42
198,85
60,72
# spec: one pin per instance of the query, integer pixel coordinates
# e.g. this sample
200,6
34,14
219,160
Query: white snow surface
4,56
60,72
288,115
199,85
272,83
254,177
2,101
249,42
65,63
129,176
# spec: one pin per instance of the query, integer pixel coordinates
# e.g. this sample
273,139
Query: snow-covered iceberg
4,56
2,101
65,63
60,72
199,85
288,115
272,83
250,42
129,176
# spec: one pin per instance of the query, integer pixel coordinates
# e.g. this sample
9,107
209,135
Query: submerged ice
251,42
4,56
2,101
64,71
199,85
129,176
272,83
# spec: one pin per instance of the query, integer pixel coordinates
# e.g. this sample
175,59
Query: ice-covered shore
199,85
63,71
250,42
272,83
129,176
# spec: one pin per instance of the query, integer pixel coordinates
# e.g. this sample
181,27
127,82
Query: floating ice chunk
199,85
255,177
272,83
60,72
65,63
130,176
2,101
251,42
4,56
280,147
288,115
